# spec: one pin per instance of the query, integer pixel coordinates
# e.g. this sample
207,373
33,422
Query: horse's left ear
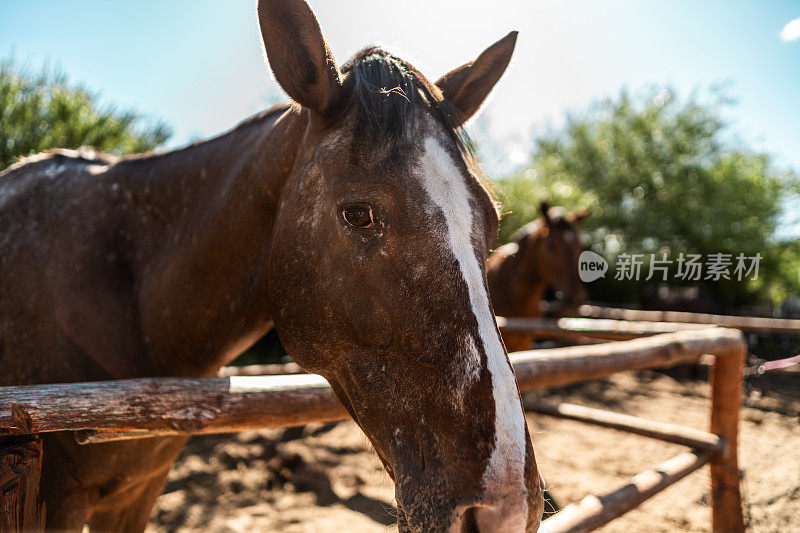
297,52
467,86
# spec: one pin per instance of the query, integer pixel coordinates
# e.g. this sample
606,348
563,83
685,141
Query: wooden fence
748,324
149,407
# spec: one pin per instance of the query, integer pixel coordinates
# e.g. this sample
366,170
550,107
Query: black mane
386,93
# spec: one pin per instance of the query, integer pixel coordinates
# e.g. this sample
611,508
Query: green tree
43,110
662,176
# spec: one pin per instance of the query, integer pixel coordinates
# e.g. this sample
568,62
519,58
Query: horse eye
358,216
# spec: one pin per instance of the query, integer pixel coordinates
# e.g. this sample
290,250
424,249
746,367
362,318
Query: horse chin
434,512
444,516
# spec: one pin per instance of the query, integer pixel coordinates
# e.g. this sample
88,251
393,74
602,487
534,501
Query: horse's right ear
467,86
297,52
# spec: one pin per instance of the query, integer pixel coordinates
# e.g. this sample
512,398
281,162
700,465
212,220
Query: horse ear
297,52
544,209
467,86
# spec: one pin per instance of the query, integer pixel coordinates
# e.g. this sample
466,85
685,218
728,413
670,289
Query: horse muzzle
508,511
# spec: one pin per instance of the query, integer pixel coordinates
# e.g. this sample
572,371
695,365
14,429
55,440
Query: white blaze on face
504,478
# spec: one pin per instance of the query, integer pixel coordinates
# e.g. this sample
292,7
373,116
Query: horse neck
531,280
202,241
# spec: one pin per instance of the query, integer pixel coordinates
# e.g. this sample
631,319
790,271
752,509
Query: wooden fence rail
674,433
595,511
20,470
569,328
181,406
749,324
139,408
148,407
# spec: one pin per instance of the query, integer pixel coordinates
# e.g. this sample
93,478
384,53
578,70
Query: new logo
591,266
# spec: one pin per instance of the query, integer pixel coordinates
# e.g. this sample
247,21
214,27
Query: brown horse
351,220
541,255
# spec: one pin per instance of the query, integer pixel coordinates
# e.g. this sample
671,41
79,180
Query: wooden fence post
726,398
20,470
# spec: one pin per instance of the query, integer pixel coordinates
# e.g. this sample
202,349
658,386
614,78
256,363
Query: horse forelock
386,94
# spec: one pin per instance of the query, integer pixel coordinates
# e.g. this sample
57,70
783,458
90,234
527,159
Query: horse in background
542,254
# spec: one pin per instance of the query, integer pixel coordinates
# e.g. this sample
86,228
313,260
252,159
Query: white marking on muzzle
504,478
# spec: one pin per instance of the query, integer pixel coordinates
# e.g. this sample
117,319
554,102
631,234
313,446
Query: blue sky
199,65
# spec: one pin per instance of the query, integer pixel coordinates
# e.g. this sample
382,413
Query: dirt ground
326,478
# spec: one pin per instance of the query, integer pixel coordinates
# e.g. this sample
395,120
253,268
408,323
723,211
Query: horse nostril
469,522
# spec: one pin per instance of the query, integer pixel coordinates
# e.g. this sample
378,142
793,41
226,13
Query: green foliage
43,110
662,176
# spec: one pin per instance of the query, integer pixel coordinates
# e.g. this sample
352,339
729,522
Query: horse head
376,274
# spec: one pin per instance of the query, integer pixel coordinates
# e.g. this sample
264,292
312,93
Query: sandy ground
326,478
